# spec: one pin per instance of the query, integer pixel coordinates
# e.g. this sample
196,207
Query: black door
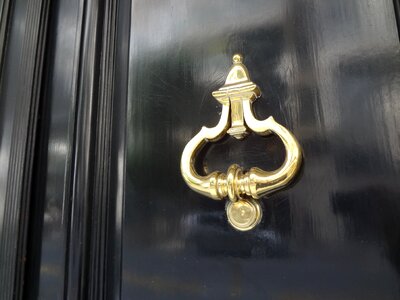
99,99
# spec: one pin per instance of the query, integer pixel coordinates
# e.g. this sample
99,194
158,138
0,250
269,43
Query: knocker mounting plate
242,188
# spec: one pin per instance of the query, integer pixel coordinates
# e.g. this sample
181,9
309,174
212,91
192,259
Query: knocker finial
237,87
242,188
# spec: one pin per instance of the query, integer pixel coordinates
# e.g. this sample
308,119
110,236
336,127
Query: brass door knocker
242,188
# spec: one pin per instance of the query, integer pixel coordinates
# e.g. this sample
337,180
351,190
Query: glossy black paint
329,71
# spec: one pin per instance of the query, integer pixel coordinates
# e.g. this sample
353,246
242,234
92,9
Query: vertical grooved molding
101,197
93,206
4,15
396,4
89,258
93,242
17,195
82,169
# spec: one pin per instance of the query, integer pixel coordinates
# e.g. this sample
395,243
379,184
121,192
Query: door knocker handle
242,188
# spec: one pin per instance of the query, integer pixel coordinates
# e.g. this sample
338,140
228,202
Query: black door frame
93,182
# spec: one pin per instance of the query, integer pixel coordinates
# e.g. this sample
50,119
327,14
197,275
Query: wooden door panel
329,71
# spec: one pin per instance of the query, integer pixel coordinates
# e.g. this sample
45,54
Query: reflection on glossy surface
329,71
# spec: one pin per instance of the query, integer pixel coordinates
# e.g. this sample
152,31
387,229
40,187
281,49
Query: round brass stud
237,59
244,214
